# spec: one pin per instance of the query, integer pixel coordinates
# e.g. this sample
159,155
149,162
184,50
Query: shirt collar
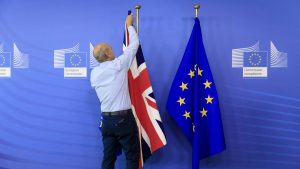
103,64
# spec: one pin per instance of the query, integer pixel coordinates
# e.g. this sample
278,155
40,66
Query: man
110,81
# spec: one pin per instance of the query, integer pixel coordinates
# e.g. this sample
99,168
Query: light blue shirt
110,78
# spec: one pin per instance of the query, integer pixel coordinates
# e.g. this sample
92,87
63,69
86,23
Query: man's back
111,85
110,78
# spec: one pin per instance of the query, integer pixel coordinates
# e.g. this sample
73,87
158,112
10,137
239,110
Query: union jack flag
150,127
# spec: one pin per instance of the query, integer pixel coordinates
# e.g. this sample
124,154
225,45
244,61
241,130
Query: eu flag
193,101
75,59
255,59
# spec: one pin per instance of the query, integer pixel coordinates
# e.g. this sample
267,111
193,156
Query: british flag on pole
144,106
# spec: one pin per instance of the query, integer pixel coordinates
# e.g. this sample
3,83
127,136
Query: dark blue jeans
120,130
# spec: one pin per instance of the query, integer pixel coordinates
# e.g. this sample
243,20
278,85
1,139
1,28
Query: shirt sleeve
127,57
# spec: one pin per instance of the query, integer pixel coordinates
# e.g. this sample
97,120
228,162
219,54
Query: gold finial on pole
137,7
196,7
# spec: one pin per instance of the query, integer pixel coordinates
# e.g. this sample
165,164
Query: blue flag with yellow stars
193,101
75,60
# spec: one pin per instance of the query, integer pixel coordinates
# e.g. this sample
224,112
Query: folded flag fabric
144,106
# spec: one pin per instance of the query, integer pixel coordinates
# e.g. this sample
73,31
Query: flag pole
196,7
137,8
141,161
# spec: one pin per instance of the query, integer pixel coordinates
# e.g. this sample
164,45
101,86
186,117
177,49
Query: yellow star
195,66
187,115
207,84
200,72
203,112
183,86
209,99
191,74
181,101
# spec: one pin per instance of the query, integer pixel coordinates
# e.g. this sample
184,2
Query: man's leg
128,138
109,145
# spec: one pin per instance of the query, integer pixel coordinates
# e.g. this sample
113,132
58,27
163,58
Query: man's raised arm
128,55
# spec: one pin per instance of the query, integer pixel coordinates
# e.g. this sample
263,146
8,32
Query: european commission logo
9,60
74,62
255,63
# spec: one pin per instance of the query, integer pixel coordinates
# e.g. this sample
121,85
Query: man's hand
129,20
